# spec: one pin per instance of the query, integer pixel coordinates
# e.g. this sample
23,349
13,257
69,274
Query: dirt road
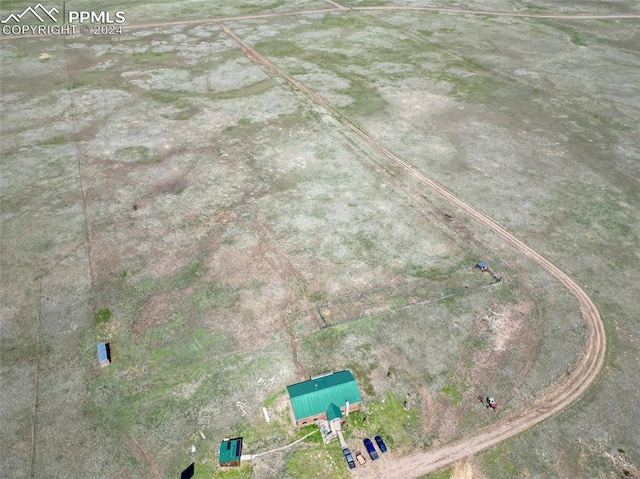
492,13
567,392
340,8
336,7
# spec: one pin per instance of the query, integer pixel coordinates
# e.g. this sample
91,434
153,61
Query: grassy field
166,194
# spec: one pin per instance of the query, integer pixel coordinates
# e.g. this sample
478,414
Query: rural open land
237,196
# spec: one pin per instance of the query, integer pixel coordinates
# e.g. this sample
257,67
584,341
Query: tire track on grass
553,401
293,280
337,5
36,382
137,449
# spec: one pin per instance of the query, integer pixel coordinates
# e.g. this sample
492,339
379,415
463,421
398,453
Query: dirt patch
505,323
144,457
173,185
462,470
157,311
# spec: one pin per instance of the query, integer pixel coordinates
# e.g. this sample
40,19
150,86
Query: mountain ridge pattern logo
34,11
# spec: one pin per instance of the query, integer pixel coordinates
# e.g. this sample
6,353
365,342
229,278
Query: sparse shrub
454,395
577,39
103,316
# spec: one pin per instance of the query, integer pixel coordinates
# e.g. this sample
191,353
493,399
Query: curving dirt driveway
553,401
567,392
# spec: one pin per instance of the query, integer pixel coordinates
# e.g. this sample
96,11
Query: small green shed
230,452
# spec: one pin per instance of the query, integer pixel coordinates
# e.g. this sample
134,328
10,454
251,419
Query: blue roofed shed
104,354
324,397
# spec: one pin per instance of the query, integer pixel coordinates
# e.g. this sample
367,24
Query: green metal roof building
324,397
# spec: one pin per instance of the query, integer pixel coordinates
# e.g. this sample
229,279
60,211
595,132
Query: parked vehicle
360,458
381,445
370,449
347,455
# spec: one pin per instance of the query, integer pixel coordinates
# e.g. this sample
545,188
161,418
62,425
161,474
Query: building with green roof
324,398
230,452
